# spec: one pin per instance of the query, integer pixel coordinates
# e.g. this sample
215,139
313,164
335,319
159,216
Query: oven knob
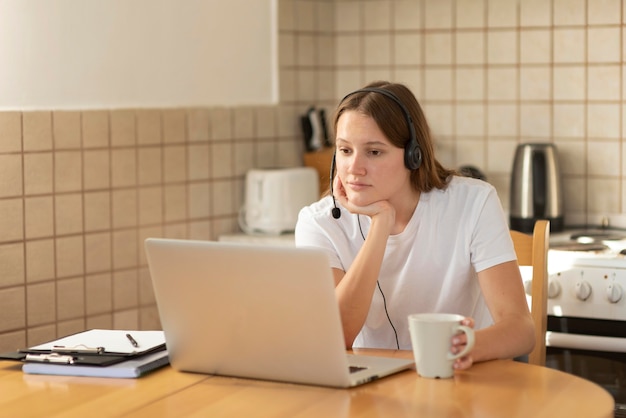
583,290
554,289
614,292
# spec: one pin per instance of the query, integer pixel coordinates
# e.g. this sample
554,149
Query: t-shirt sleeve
491,239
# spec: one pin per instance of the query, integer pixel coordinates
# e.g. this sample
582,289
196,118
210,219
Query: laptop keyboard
354,369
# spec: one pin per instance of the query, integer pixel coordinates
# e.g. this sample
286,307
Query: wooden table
500,388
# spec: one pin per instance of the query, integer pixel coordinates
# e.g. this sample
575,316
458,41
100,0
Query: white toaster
273,198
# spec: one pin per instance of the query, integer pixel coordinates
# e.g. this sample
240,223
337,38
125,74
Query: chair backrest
532,250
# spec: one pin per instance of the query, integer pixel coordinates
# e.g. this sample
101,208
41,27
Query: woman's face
371,169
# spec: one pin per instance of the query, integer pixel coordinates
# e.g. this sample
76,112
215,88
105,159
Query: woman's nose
356,164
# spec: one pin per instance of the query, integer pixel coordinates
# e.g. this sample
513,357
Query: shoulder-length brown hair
392,121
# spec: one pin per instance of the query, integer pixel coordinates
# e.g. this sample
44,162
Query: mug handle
469,333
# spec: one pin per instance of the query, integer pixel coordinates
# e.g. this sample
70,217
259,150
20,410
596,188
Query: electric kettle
536,191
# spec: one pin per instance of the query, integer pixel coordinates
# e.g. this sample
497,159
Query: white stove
591,283
587,308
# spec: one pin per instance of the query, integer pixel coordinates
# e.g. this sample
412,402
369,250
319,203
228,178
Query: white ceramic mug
431,337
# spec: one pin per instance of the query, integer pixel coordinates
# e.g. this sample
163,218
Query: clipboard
96,347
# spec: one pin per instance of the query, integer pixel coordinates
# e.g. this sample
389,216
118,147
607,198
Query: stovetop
605,247
588,239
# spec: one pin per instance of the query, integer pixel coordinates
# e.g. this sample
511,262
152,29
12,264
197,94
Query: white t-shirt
428,267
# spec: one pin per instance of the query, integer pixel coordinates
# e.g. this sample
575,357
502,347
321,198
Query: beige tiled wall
81,190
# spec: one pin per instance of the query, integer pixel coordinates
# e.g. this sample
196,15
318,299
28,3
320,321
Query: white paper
113,341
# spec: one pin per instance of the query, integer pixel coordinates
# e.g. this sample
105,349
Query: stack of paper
113,341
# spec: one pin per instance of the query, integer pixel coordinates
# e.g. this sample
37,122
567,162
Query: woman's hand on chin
380,209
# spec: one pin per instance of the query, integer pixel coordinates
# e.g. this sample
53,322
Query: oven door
592,349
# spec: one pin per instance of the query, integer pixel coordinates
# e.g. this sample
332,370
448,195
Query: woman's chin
359,200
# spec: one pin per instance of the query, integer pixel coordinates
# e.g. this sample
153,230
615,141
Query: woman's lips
357,187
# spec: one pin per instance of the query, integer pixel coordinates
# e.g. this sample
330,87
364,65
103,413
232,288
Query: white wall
81,54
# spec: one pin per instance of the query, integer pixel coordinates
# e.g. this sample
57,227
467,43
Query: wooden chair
532,250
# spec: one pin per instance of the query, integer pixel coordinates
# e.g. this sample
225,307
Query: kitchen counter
284,240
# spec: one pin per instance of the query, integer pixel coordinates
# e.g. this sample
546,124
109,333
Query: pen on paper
132,340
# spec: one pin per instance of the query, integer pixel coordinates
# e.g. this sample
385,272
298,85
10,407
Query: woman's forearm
508,338
356,289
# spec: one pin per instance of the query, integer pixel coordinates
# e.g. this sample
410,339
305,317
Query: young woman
405,235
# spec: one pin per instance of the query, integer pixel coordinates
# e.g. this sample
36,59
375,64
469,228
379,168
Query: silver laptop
256,312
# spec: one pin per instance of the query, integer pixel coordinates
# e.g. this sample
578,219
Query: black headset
412,150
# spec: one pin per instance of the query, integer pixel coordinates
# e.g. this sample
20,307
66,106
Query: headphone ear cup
412,155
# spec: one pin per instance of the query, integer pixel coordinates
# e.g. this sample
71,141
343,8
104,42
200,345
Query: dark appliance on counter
472,171
536,191
314,129
587,307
